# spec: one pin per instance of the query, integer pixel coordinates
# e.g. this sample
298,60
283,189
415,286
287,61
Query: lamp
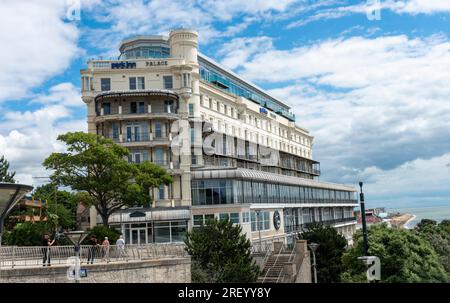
76,237
313,247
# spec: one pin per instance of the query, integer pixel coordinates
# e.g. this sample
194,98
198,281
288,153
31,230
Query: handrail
276,260
34,256
289,261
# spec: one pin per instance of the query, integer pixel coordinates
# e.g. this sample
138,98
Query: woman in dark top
46,243
92,250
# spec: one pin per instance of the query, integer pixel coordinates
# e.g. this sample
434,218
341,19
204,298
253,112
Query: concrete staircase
284,265
274,267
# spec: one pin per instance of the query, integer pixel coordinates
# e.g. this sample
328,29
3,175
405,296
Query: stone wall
175,270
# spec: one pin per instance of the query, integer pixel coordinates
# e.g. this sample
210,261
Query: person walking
120,243
46,243
93,249
105,249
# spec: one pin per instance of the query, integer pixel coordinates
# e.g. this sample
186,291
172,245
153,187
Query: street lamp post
363,219
259,228
76,237
313,247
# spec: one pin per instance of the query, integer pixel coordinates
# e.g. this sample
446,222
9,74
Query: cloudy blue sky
375,92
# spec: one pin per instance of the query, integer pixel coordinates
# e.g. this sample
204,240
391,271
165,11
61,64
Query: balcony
141,139
301,227
119,113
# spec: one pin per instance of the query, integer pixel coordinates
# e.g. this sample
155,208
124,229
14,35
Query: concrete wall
175,270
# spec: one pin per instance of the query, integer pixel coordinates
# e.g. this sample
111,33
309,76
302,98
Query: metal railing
35,256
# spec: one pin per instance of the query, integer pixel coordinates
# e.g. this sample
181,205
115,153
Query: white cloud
28,137
240,50
65,94
409,185
36,44
213,19
411,7
372,104
415,7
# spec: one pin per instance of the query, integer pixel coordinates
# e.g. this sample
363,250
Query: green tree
97,167
100,232
221,253
5,175
61,205
405,257
438,235
329,253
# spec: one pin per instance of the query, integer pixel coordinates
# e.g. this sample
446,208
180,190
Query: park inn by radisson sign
130,65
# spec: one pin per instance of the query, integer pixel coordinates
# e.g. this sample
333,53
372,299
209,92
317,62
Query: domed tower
184,44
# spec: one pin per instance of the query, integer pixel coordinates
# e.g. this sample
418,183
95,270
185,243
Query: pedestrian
46,243
93,249
105,249
120,243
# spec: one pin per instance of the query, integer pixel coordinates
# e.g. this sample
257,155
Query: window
137,158
133,108
177,231
234,218
107,108
232,112
169,106
159,156
168,82
186,80
161,192
132,83
192,135
158,130
115,131
141,108
105,84
245,217
162,232
141,83
191,109
264,220
225,216
198,220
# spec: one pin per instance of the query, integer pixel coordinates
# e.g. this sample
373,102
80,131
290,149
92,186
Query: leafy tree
62,211
405,257
329,253
5,175
221,253
30,234
438,235
100,232
97,167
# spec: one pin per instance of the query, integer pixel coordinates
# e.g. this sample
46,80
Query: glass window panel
162,232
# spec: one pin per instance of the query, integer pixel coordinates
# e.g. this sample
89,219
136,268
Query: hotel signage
263,111
122,65
276,220
157,63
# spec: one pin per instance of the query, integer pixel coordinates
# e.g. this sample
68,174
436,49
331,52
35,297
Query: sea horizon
437,213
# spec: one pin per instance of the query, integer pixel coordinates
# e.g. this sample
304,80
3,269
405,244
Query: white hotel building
162,98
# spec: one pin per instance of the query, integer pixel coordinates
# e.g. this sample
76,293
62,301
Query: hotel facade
233,150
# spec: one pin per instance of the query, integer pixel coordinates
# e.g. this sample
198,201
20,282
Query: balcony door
133,133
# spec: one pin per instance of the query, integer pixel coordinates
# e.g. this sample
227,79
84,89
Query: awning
137,92
146,215
262,176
